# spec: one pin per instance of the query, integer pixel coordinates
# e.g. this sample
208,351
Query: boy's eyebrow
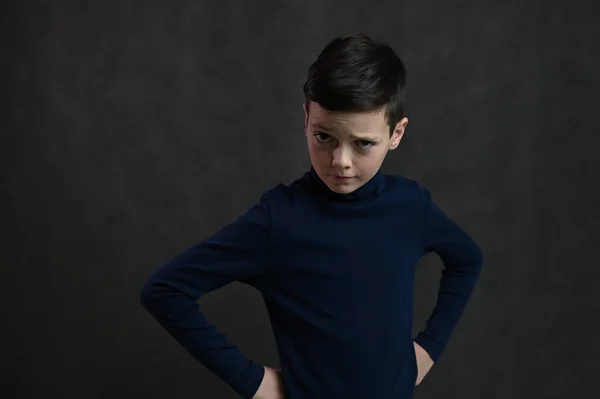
366,136
319,126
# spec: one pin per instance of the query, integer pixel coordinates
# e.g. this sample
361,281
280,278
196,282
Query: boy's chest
338,258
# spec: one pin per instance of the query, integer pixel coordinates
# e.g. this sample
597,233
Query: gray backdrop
132,130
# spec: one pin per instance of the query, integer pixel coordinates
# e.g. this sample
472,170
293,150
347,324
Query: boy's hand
424,362
271,386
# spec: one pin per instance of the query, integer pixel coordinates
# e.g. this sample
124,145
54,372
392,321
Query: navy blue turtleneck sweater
336,272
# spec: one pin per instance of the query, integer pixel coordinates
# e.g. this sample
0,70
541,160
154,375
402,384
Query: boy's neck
368,190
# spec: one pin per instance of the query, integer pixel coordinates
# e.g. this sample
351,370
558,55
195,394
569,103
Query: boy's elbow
148,294
157,294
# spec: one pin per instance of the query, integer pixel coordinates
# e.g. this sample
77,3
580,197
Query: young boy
333,253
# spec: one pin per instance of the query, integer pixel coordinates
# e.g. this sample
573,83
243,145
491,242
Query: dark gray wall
133,129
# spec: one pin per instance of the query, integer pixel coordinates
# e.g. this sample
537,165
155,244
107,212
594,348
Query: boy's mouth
342,178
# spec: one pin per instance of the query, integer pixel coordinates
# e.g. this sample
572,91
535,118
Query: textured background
134,129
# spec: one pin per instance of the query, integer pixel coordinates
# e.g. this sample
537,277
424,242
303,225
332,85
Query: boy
333,253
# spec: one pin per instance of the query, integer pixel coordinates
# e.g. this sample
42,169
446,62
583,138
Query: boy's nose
341,158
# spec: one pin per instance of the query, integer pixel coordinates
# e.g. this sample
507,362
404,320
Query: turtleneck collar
366,191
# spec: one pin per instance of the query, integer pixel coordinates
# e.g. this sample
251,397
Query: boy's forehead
359,123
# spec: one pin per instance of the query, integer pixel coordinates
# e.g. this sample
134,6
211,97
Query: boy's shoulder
400,181
407,188
287,191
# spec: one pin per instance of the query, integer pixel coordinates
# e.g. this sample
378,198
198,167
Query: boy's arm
239,250
462,260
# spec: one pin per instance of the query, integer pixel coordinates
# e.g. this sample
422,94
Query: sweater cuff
433,348
253,378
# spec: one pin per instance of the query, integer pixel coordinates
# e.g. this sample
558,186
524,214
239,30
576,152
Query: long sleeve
240,250
462,260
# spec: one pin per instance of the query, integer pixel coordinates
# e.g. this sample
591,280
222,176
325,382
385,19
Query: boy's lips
343,178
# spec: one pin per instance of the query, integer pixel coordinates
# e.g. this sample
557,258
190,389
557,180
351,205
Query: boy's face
347,149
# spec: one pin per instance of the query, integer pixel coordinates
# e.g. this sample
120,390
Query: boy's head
354,110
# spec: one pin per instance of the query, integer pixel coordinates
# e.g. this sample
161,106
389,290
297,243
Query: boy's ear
398,133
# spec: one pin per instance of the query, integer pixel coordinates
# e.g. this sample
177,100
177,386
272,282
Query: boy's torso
340,291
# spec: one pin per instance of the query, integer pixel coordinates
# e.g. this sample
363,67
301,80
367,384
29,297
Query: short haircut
355,74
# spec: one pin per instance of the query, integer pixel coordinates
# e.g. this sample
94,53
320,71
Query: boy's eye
325,138
364,144
322,137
